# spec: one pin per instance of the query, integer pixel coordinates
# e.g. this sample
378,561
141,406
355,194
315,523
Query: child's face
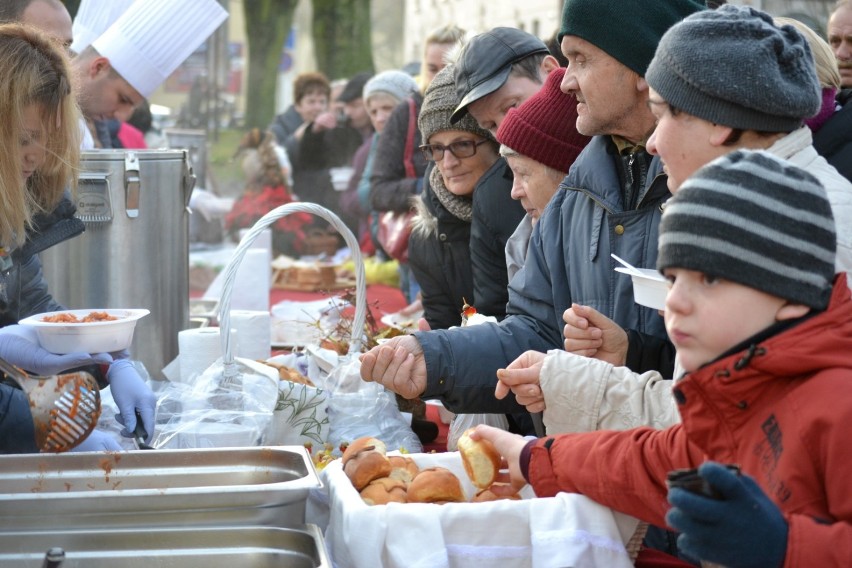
706,316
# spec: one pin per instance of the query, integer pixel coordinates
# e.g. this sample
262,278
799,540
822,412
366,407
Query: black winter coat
495,217
439,256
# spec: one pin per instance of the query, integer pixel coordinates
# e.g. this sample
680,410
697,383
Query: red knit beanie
544,127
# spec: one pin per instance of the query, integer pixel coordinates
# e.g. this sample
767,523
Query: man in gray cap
610,203
496,70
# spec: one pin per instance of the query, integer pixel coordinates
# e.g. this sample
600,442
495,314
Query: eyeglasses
460,149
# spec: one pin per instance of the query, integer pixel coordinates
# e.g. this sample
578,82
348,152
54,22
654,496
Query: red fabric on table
381,299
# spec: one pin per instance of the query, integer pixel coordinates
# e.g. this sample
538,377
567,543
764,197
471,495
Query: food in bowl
85,331
65,317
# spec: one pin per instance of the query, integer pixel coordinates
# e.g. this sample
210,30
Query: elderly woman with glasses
458,156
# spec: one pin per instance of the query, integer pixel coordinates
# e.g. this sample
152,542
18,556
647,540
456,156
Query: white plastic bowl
649,289
92,337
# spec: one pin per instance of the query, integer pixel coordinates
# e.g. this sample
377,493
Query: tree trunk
267,26
342,37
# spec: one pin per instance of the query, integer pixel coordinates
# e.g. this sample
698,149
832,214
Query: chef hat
153,37
93,18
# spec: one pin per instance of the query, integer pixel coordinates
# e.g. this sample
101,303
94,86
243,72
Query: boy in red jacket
764,330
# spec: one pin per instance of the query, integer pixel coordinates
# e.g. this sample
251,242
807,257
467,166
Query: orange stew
71,318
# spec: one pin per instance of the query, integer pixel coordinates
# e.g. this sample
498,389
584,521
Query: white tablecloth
566,530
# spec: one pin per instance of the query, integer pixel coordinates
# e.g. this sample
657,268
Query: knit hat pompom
544,127
733,66
397,84
439,102
628,30
752,218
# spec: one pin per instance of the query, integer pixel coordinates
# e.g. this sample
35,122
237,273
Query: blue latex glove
19,345
743,529
98,441
130,394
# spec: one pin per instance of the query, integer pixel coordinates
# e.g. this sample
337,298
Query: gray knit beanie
732,66
752,218
397,84
439,102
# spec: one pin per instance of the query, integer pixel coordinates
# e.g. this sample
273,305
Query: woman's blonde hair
34,70
826,63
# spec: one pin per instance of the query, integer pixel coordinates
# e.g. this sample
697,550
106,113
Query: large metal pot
134,253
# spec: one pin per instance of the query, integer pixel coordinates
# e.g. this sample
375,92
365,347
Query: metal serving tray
215,547
258,486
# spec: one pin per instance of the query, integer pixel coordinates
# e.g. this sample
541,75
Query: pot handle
132,184
189,179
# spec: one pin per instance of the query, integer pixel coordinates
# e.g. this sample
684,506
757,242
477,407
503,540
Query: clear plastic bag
217,411
357,408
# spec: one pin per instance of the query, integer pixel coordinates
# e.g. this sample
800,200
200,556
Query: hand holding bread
509,446
480,458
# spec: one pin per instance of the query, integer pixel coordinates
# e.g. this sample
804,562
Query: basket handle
230,369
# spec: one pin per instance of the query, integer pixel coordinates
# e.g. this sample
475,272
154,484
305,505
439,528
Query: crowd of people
711,142
725,181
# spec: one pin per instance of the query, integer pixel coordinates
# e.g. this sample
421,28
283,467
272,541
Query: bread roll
383,491
403,468
480,458
364,460
435,485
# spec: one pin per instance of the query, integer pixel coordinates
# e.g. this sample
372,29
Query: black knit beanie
733,66
628,30
752,218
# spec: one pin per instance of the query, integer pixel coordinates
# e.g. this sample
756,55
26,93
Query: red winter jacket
784,416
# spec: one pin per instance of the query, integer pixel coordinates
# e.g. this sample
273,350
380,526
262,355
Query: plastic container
649,287
89,337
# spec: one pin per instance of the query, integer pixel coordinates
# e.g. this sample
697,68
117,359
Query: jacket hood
717,394
424,224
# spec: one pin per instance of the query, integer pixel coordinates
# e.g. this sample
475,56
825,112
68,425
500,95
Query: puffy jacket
495,217
25,289
796,380
568,261
833,140
439,256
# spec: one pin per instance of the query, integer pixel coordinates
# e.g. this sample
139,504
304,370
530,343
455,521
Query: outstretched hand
589,333
397,365
522,377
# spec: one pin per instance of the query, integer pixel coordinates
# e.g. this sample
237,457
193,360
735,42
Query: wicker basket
230,368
